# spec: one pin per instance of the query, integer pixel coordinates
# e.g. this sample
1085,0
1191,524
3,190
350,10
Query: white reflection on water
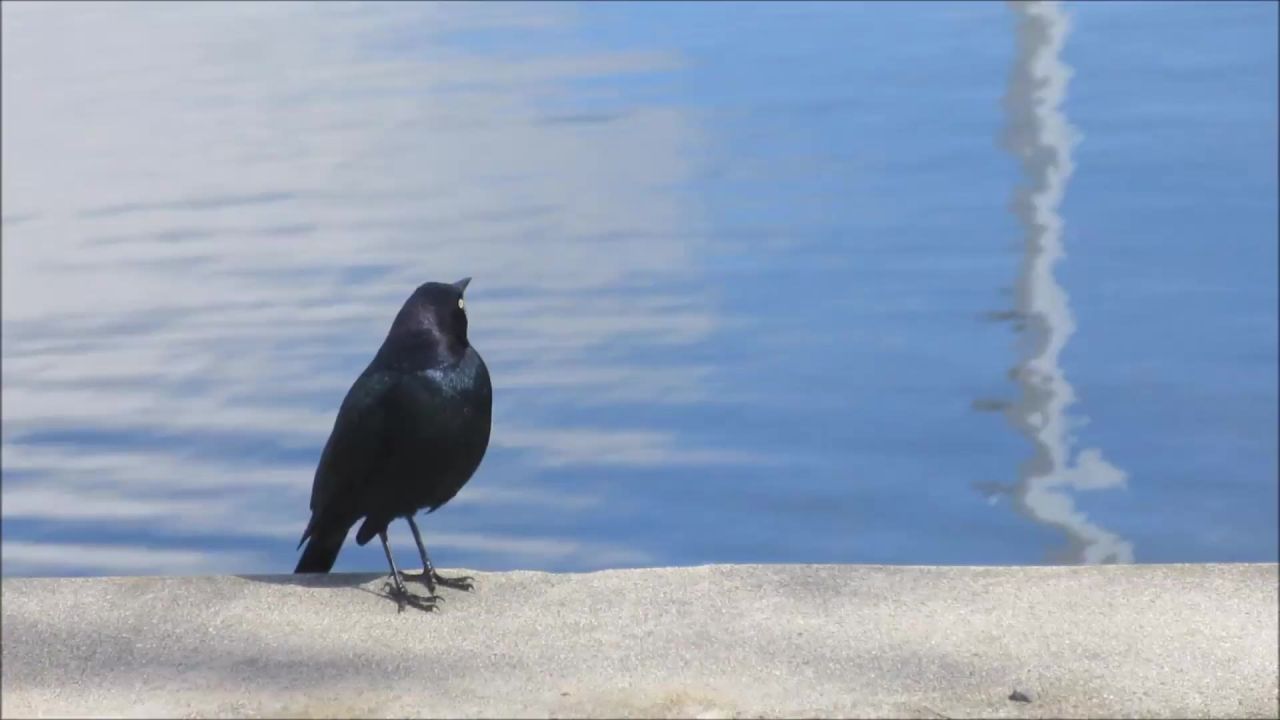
212,211
34,558
1039,134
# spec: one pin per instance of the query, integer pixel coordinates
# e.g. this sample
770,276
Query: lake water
869,283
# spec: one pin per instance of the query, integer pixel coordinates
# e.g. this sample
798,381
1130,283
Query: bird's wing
356,447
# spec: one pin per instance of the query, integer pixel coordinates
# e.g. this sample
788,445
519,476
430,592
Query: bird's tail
323,544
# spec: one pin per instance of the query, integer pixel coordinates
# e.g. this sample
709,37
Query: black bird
410,433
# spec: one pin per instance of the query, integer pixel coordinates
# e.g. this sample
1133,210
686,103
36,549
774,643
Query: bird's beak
462,284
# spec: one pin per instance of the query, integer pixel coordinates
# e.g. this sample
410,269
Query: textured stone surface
716,641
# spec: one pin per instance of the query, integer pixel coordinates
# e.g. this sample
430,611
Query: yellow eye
462,305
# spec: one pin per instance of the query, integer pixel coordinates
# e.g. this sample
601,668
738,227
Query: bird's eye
462,305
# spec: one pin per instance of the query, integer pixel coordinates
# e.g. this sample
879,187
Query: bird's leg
398,591
429,574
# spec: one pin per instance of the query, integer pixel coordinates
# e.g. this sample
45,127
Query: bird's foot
463,582
432,578
398,592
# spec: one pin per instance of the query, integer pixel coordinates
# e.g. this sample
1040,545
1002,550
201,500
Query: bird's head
435,311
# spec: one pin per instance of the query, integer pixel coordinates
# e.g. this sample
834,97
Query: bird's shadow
316,580
365,582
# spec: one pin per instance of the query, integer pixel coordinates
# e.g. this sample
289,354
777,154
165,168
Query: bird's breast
456,404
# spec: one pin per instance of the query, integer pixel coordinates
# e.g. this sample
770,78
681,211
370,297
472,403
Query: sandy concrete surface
715,641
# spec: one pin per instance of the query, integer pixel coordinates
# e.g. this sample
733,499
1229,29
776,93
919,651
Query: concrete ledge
716,641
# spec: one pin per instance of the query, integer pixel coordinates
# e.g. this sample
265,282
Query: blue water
833,282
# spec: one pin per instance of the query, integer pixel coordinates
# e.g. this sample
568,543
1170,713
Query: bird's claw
432,579
465,582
